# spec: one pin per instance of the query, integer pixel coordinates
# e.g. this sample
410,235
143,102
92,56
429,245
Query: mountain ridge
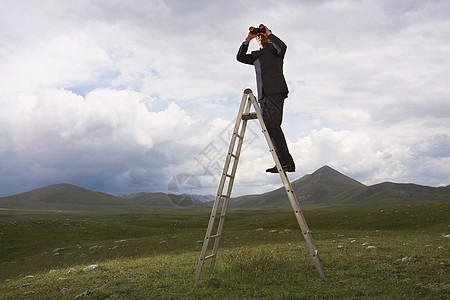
59,194
325,186
68,196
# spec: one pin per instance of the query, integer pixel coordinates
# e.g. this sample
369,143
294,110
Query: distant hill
399,192
327,186
67,196
324,186
60,196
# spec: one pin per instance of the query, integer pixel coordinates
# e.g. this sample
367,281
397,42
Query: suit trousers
272,113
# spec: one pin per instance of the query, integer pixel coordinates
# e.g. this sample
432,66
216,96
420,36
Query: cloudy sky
122,95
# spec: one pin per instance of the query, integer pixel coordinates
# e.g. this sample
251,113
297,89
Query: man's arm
279,45
242,55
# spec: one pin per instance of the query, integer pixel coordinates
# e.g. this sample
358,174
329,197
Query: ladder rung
229,175
218,216
224,196
209,256
249,116
232,155
215,236
239,136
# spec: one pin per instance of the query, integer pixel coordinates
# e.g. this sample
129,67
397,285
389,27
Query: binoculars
257,30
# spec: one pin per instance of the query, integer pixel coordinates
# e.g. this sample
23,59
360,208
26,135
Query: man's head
262,40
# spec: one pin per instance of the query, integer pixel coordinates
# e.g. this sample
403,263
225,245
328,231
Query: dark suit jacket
268,63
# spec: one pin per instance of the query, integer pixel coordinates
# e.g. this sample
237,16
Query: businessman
272,88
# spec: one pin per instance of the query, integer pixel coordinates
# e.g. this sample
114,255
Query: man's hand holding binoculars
250,37
257,31
266,32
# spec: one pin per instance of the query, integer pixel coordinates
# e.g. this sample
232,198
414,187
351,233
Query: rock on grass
91,267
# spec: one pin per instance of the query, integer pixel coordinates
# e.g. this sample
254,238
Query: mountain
60,196
67,196
327,186
400,192
324,186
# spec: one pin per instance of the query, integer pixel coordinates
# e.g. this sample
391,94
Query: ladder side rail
231,148
214,211
228,193
220,190
240,141
299,215
232,144
289,190
239,146
298,212
207,236
306,232
230,153
295,205
213,215
210,227
286,183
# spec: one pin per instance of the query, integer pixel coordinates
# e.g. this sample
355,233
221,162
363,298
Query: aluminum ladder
220,206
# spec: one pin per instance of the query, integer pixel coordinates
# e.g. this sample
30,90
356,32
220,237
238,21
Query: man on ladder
272,91
272,87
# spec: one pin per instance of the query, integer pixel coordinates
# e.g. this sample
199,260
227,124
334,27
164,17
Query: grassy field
378,252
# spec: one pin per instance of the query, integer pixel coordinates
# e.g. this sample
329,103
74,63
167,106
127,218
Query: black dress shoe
286,168
272,170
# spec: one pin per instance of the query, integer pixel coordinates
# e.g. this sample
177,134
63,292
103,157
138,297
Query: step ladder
220,206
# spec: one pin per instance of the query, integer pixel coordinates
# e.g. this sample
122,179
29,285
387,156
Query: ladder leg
229,189
207,237
290,192
238,134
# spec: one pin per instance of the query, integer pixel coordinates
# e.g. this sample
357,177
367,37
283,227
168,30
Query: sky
123,96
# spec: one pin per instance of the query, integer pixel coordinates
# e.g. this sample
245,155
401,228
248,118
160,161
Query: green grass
154,255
